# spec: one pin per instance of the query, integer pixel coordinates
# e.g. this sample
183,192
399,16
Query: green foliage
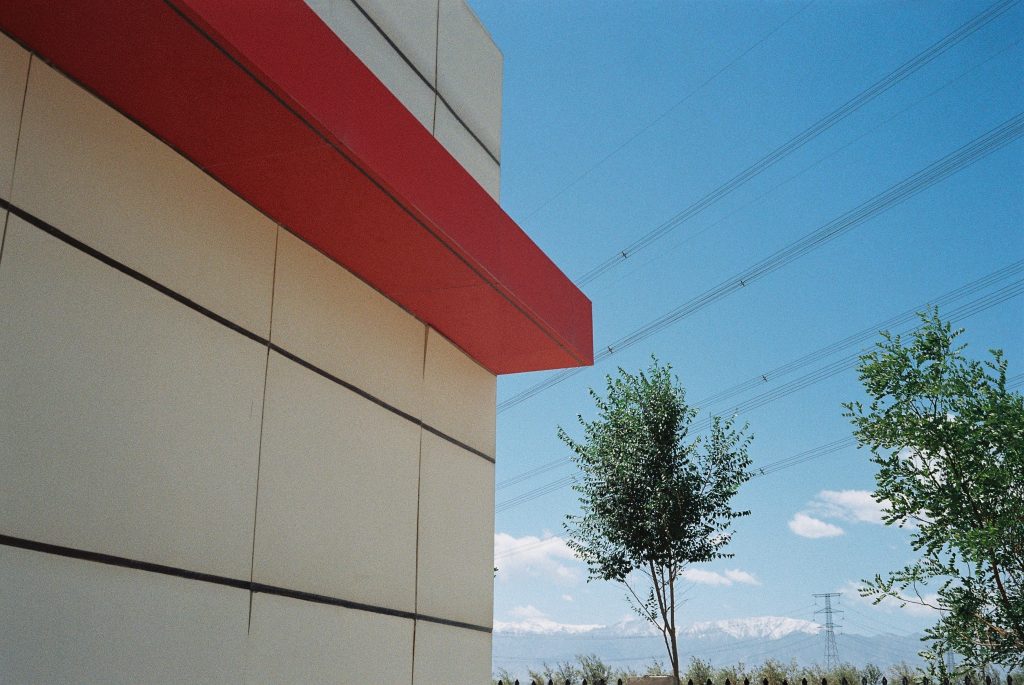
699,671
587,666
897,672
504,676
591,667
813,673
535,676
948,438
653,499
873,674
655,668
775,671
848,671
734,674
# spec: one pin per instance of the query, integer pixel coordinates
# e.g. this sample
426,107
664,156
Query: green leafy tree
948,438
897,672
847,671
699,671
655,668
504,676
653,499
733,673
592,669
540,677
872,673
774,671
812,673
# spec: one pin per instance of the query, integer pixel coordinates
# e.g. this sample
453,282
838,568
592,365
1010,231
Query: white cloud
548,557
809,527
858,506
566,598
698,575
738,576
729,577
530,619
854,506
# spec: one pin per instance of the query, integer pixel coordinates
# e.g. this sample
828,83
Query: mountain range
633,643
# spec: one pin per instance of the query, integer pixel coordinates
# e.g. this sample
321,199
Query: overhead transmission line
863,335
957,160
849,362
668,111
1012,383
852,340
793,144
963,311
662,254
767,469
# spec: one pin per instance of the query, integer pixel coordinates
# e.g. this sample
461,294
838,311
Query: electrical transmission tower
831,653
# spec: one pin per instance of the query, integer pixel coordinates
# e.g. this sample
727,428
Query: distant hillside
749,641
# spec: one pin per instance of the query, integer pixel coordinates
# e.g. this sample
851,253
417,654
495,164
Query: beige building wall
224,457
437,58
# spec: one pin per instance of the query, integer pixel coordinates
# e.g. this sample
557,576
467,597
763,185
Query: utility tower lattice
831,653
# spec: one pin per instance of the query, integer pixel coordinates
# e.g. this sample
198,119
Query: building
255,290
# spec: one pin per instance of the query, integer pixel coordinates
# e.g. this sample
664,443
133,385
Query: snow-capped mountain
768,627
633,642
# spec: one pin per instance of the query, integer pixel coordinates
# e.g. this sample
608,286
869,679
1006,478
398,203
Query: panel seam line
214,579
195,306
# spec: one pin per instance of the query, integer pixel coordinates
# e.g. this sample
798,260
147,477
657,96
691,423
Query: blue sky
694,93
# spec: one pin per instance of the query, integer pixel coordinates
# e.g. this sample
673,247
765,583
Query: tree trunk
675,659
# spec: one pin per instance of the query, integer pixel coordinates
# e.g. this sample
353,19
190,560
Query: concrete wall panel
72,621
337,494
459,395
469,67
301,642
327,316
411,25
13,75
467,151
445,654
129,423
455,576
94,174
356,31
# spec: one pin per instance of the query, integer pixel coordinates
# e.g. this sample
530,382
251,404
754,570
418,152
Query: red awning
265,98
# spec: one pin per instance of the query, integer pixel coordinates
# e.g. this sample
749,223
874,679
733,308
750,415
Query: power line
1012,383
515,551
863,335
534,494
851,361
878,623
854,339
957,160
1012,290
825,123
666,252
668,111
526,475
767,469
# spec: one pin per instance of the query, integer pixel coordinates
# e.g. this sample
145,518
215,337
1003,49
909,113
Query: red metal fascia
265,98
